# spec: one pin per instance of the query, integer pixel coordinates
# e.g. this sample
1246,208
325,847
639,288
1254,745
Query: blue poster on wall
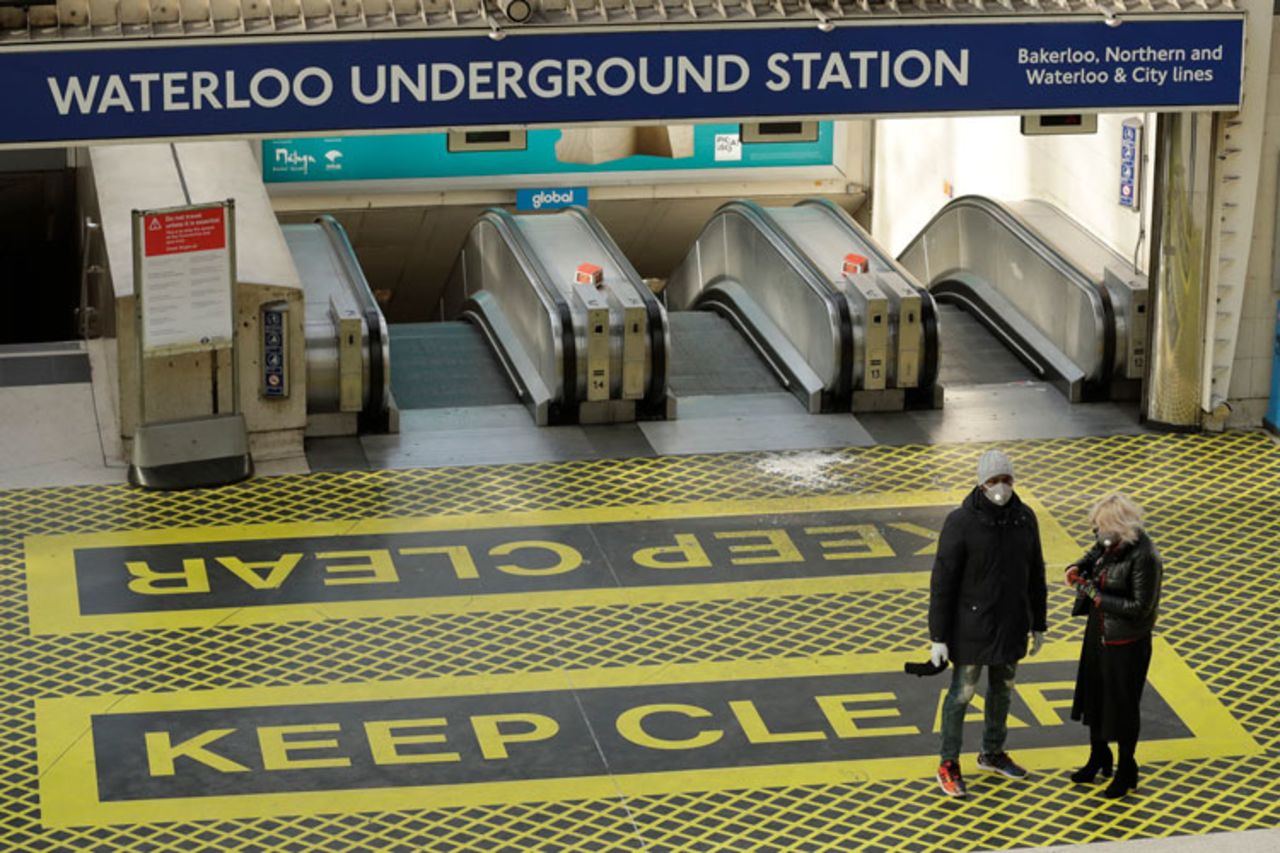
547,152
335,83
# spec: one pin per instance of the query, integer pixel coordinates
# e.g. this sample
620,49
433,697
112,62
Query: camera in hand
922,669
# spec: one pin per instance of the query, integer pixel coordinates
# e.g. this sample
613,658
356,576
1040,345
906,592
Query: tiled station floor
664,653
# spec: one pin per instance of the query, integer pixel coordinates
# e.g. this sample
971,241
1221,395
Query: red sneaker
950,780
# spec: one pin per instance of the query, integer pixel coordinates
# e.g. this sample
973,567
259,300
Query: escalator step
709,356
972,355
444,365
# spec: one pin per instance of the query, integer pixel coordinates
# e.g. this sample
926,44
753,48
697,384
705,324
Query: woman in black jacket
1118,586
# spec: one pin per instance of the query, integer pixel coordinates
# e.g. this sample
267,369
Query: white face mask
999,493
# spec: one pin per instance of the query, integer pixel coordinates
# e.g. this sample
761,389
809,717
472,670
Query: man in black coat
986,595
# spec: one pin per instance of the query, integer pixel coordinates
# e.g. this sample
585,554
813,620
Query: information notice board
184,278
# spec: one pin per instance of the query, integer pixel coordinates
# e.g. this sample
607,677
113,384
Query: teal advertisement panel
584,151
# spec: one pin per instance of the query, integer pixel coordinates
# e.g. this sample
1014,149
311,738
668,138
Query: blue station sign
552,198
326,84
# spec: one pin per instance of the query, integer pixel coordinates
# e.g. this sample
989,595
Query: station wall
921,163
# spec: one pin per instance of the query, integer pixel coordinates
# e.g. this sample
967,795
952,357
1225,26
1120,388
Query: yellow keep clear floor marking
1219,539
68,771
54,608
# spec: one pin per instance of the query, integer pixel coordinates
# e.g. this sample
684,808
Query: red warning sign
184,278
196,230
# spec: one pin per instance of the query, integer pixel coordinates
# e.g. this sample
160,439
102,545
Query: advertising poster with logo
547,152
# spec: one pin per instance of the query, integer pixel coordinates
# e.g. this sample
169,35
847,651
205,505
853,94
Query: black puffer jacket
1128,581
988,590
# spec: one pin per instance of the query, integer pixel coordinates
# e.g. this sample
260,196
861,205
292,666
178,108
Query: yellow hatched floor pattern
1214,507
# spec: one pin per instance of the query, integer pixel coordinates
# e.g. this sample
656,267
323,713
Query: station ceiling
24,21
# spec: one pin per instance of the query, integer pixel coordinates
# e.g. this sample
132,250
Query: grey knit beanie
992,464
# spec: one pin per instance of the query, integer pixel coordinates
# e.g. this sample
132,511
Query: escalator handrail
1113,345
795,257
1068,222
659,338
379,340
1014,225
798,260
550,296
928,305
1097,295
841,216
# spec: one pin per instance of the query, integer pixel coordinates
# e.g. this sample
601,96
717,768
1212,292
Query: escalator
1027,294
456,349
543,311
347,343
830,317
710,357
776,313
577,334
971,355
743,268
893,319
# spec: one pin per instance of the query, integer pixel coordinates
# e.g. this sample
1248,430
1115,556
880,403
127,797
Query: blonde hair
1118,515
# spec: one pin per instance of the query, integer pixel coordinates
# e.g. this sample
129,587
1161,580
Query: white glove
1037,640
938,654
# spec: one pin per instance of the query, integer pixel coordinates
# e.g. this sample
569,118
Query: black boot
1126,779
1099,760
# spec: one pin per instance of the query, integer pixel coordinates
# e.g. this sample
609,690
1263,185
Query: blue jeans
964,683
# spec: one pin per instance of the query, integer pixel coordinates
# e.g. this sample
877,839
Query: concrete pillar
1180,264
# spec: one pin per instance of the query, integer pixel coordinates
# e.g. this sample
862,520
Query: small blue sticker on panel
273,352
